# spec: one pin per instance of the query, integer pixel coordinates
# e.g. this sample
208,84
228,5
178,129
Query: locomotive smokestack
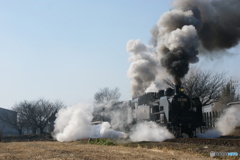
177,88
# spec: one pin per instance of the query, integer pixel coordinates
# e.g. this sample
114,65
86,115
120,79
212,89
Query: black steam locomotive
170,108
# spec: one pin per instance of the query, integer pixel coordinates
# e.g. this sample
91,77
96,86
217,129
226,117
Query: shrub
102,141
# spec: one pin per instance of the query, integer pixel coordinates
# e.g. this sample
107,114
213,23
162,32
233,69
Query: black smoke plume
213,25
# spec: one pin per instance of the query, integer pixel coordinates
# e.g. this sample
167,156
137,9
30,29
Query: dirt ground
76,150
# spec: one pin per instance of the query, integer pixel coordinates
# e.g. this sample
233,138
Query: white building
7,115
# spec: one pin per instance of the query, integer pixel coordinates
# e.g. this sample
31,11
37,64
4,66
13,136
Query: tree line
32,115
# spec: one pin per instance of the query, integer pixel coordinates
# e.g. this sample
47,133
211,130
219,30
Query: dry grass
78,150
186,148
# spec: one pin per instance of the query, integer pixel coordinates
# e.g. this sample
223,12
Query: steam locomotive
170,108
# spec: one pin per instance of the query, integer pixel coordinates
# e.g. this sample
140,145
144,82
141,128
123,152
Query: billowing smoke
218,19
181,50
143,68
191,26
104,131
225,125
150,131
229,121
74,123
119,114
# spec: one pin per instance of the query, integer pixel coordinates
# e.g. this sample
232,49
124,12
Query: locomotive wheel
190,134
176,132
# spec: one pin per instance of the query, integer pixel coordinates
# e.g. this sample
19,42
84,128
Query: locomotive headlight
182,90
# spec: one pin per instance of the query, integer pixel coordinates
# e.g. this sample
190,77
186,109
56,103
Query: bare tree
45,111
104,101
204,84
37,114
26,111
106,95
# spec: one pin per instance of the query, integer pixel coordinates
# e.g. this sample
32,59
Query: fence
210,118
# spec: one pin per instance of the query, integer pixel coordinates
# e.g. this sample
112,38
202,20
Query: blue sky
68,50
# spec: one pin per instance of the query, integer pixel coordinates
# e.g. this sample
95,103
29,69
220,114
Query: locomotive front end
186,113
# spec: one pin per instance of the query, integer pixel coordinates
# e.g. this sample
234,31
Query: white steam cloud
143,66
225,125
229,121
74,123
150,131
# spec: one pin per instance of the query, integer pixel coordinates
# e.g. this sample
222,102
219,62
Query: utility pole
234,88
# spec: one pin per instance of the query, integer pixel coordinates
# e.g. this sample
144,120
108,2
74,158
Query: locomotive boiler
170,108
